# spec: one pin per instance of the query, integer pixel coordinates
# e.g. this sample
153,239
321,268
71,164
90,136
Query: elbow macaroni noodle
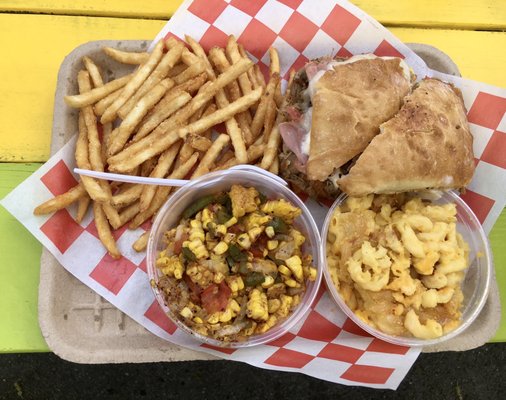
398,263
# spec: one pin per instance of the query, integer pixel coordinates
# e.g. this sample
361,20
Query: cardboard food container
80,326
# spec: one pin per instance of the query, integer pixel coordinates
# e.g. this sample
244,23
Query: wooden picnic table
35,36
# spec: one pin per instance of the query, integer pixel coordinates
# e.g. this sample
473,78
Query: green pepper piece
198,205
230,261
210,228
279,225
188,254
254,279
243,268
222,216
236,254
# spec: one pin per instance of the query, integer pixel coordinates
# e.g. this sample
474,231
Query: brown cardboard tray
79,326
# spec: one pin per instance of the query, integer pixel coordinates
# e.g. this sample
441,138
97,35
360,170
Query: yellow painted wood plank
464,14
479,55
36,45
471,14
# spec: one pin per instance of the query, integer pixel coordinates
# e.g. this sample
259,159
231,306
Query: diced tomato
215,297
257,249
195,290
178,244
236,228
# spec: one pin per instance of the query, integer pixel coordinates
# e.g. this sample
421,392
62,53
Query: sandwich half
428,144
333,111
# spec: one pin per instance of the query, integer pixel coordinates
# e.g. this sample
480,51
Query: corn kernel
244,241
226,315
218,277
230,222
262,328
296,300
198,320
291,283
272,244
249,331
284,270
273,305
234,306
186,313
220,248
229,237
268,282
221,230
295,265
214,318
254,233
235,283
269,231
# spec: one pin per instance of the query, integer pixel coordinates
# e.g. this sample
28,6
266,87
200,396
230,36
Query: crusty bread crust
428,144
349,105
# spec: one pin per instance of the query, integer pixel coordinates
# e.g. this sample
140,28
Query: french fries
163,115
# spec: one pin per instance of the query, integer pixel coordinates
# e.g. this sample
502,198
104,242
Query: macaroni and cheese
398,262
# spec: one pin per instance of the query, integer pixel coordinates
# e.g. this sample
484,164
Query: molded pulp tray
80,326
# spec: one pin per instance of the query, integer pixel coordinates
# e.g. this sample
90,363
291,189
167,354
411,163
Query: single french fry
112,214
126,57
122,133
233,129
106,139
278,96
271,150
274,66
139,76
170,107
198,142
259,75
147,166
177,69
221,63
255,151
141,243
128,213
157,142
82,207
274,168
97,81
96,94
251,73
265,103
191,72
159,73
127,196
100,106
104,231
211,155
91,185
270,114
161,169
91,67
162,193
61,201
95,147
199,52
234,56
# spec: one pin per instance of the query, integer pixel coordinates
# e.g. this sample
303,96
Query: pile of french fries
157,122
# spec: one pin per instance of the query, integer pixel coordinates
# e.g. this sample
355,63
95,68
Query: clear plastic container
475,286
273,187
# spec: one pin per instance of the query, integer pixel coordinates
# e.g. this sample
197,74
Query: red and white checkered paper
325,344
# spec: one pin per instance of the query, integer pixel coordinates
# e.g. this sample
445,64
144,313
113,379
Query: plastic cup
475,285
215,182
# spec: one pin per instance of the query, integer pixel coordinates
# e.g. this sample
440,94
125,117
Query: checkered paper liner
325,344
